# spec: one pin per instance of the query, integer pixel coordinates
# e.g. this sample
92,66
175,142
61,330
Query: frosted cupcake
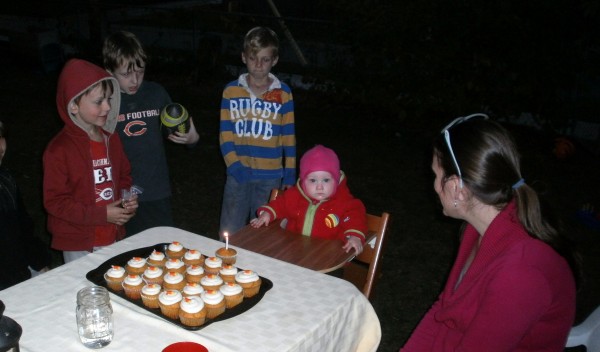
214,301
193,257
150,294
192,289
250,282
157,259
228,256
169,301
233,293
194,273
175,250
175,265
211,282
136,266
153,275
114,277
133,286
192,311
173,281
228,272
212,265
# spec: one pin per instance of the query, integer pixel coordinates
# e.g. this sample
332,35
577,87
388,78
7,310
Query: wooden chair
365,269
274,194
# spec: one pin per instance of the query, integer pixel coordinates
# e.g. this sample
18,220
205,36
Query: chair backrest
274,194
587,333
365,269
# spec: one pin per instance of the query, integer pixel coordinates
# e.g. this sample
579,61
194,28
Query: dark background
386,78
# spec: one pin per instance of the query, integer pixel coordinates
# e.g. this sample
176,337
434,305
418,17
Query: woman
512,287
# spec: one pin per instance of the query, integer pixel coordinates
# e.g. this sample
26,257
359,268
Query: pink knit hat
320,158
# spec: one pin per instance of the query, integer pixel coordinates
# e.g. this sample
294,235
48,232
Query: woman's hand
263,219
353,242
185,138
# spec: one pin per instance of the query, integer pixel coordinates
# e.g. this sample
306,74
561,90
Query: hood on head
320,158
75,78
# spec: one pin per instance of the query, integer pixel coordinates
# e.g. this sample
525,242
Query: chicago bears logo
135,128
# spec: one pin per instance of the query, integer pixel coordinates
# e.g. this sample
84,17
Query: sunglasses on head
446,133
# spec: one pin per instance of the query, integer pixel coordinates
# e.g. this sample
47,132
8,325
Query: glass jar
94,317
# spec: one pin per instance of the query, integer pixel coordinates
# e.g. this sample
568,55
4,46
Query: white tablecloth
304,311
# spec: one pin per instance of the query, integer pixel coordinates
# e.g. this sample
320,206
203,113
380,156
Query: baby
320,204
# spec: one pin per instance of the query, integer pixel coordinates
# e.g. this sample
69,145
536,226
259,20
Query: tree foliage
456,56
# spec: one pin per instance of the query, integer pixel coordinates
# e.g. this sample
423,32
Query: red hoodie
340,216
69,189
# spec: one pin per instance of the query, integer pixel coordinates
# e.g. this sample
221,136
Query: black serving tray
96,276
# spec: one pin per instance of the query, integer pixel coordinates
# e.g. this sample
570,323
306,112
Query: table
276,242
304,311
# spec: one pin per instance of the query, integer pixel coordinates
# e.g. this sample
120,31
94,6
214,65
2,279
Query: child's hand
263,219
116,214
130,204
353,242
185,138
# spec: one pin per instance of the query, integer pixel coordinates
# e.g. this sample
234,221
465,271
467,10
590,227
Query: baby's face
319,185
130,77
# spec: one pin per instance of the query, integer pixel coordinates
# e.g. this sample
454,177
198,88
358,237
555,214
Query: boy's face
130,80
319,185
259,65
92,108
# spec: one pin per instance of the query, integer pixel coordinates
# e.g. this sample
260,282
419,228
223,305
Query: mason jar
94,317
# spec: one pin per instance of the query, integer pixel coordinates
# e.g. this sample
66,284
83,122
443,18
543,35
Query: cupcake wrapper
133,293
213,312
150,302
170,312
193,278
191,320
232,301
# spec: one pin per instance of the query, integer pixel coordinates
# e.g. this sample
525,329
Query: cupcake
192,311
227,255
157,259
175,265
211,282
194,273
212,265
168,301
192,289
175,250
173,281
114,277
214,302
133,286
250,282
136,266
228,272
150,294
233,293
153,275
193,257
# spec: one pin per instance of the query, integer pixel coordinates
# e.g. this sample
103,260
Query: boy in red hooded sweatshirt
84,164
320,204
